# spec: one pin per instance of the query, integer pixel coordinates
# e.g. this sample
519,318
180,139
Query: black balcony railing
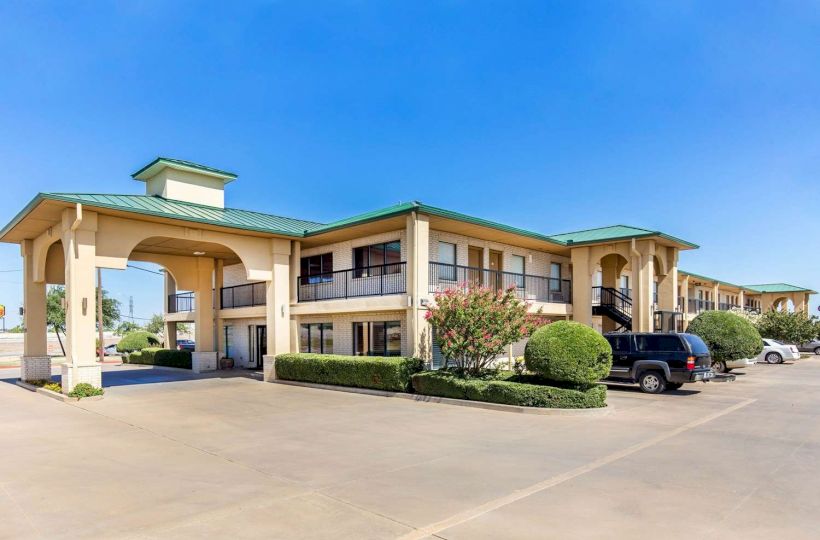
181,302
696,305
379,280
607,296
247,295
534,288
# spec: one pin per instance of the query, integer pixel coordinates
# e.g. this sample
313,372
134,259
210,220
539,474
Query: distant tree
17,329
156,325
788,327
126,327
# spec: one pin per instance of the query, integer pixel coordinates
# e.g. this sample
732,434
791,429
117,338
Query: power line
145,270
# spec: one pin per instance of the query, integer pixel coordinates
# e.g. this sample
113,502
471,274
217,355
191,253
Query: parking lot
170,455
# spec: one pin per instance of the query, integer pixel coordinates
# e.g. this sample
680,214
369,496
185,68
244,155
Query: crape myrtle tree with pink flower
475,324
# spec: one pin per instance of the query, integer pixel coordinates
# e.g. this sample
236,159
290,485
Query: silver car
811,346
775,352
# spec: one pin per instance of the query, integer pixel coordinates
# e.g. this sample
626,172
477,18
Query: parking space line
495,504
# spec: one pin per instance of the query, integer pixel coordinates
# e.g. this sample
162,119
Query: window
377,338
625,289
517,268
659,342
316,338
447,256
227,330
599,279
555,276
377,259
317,268
655,293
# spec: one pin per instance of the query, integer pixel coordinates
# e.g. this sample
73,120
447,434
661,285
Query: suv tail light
690,362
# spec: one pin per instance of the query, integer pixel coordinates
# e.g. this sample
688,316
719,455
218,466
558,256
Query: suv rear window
659,342
696,344
619,343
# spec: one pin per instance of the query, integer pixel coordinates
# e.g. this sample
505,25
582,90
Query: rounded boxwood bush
569,352
136,341
728,336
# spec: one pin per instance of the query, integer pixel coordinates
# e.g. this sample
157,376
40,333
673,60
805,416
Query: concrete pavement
172,455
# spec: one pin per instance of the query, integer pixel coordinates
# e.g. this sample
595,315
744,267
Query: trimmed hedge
381,373
728,336
570,352
136,341
509,389
153,356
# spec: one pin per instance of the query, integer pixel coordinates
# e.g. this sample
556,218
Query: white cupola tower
185,181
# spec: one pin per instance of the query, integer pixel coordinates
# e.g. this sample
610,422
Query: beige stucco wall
539,266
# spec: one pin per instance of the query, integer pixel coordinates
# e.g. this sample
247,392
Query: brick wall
343,327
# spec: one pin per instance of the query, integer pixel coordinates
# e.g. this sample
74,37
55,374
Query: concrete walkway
185,456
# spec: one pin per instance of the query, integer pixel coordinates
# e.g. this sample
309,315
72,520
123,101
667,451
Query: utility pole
100,314
131,308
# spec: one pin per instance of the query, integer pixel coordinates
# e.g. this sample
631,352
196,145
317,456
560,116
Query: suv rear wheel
719,366
652,382
774,358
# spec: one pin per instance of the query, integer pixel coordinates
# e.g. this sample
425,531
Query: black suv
659,361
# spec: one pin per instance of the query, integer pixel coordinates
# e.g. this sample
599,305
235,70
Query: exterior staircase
612,303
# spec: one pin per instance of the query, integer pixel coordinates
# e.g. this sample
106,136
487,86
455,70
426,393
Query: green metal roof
256,221
707,278
160,207
778,288
186,165
614,232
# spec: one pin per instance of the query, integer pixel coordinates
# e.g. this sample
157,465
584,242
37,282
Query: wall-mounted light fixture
199,253
85,305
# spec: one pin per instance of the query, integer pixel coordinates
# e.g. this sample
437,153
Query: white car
775,352
719,366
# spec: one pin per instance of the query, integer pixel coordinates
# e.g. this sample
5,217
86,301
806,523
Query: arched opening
611,300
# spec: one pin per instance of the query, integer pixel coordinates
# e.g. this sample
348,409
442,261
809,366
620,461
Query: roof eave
20,216
682,243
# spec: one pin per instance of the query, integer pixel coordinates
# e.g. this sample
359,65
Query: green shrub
381,373
136,341
568,352
84,390
54,387
509,389
154,356
172,358
728,336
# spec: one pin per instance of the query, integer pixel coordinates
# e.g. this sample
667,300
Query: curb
54,395
602,411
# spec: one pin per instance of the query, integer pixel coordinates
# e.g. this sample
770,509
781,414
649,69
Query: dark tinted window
619,343
659,342
696,344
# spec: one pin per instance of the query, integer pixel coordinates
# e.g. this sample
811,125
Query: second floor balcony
531,288
377,280
182,302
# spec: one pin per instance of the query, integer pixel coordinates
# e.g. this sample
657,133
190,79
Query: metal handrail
444,276
375,280
245,295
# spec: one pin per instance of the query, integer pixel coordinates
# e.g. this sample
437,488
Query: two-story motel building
256,285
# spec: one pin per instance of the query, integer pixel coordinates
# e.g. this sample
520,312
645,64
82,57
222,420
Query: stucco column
581,286
35,364
668,284
418,278
716,296
219,282
296,269
170,327
79,246
643,270
685,302
277,294
204,359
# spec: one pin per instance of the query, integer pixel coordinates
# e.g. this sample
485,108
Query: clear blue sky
700,119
